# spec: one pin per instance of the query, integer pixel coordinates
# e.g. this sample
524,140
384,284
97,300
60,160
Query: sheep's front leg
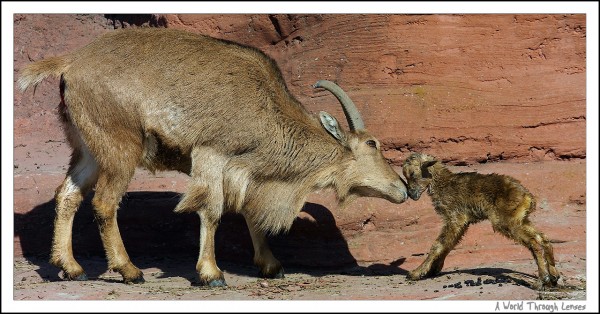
451,233
208,271
204,196
269,266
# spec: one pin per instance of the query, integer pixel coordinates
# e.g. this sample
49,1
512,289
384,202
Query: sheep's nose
400,185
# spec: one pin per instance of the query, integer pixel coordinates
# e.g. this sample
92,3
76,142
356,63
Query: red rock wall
467,88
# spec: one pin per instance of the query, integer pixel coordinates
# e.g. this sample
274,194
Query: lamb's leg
534,241
269,266
549,255
451,233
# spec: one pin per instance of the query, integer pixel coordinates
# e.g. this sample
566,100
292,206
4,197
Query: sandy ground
326,256
167,279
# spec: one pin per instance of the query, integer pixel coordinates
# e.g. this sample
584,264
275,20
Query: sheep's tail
36,72
528,206
532,203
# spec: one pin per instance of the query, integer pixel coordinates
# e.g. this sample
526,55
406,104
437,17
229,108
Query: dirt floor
175,279
329,254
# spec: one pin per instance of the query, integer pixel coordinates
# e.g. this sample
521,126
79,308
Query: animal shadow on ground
156,237
509,276
500,275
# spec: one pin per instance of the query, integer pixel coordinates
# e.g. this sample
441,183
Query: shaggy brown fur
221,112
465,198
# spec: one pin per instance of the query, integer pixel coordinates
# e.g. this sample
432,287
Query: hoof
137,280
414,276
418,274
216,283
81,277
550,281
277,275
554,279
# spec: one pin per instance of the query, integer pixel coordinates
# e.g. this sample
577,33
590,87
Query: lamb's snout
415,192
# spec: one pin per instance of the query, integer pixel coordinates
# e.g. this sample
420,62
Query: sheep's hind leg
81,176
534,241
109,191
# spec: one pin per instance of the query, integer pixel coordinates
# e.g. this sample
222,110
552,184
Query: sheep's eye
371,143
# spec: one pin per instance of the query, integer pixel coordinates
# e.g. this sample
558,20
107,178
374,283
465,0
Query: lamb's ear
425,168
332,126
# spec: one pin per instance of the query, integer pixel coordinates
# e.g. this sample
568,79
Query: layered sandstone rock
467,88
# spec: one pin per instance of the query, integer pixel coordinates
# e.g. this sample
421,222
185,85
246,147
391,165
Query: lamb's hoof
415,275
550,281
554,279
136,280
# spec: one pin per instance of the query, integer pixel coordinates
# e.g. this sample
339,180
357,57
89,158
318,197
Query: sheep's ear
425,168
332,126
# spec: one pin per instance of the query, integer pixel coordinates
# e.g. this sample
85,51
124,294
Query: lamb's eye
371,143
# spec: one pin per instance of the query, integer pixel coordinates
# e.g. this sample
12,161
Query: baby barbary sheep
465,198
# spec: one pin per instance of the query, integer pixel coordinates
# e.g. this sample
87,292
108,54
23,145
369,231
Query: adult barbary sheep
465,198
221,112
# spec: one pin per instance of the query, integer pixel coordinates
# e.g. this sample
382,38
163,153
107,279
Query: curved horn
355,122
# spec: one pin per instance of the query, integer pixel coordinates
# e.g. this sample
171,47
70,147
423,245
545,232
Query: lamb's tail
36,72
